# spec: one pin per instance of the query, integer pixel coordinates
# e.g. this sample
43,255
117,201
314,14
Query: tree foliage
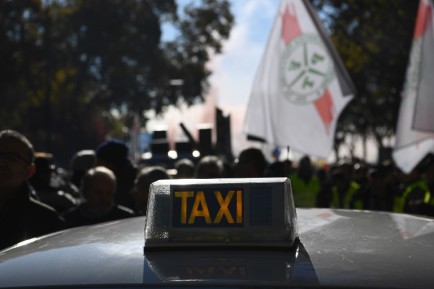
66,65
374,40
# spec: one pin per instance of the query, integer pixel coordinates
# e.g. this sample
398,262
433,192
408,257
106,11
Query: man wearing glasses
21,216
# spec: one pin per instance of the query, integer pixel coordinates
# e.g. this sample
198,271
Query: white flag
301,85
415,130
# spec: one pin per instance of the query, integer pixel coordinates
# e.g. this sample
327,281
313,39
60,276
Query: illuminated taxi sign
207,207
221,212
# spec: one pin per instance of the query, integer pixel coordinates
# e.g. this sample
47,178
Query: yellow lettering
195,212
184,196
224,210
239,207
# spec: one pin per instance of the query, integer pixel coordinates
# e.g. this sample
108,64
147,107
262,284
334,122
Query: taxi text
210,207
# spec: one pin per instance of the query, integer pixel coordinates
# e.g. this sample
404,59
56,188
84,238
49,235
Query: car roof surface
336,248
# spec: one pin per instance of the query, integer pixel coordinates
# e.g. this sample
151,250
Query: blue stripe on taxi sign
261,206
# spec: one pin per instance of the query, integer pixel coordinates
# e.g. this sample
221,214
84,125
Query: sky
235,69
232,76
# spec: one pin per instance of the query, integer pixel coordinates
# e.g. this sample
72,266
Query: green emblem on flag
306,69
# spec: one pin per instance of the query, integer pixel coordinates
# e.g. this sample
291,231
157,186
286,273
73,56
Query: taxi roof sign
253,212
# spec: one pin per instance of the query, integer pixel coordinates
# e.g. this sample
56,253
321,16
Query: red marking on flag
290,26
325,108
424,17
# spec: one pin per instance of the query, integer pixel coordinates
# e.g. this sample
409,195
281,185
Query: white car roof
336,248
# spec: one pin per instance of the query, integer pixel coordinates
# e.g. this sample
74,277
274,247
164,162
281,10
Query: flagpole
287,153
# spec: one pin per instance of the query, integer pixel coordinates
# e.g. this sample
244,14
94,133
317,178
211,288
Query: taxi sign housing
221,212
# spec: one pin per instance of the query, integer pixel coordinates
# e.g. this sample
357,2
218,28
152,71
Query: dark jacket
23,217
79,216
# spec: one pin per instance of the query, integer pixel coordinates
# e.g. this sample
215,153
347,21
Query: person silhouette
21,216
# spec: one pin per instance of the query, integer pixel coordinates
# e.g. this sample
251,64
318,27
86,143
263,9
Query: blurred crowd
103,184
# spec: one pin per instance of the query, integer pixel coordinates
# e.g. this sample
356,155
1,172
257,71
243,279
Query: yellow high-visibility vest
348,197
305,194
399,201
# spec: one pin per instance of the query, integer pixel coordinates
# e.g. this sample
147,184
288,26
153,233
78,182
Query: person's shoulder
41,208
74,218
42,213
122,211
72,212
